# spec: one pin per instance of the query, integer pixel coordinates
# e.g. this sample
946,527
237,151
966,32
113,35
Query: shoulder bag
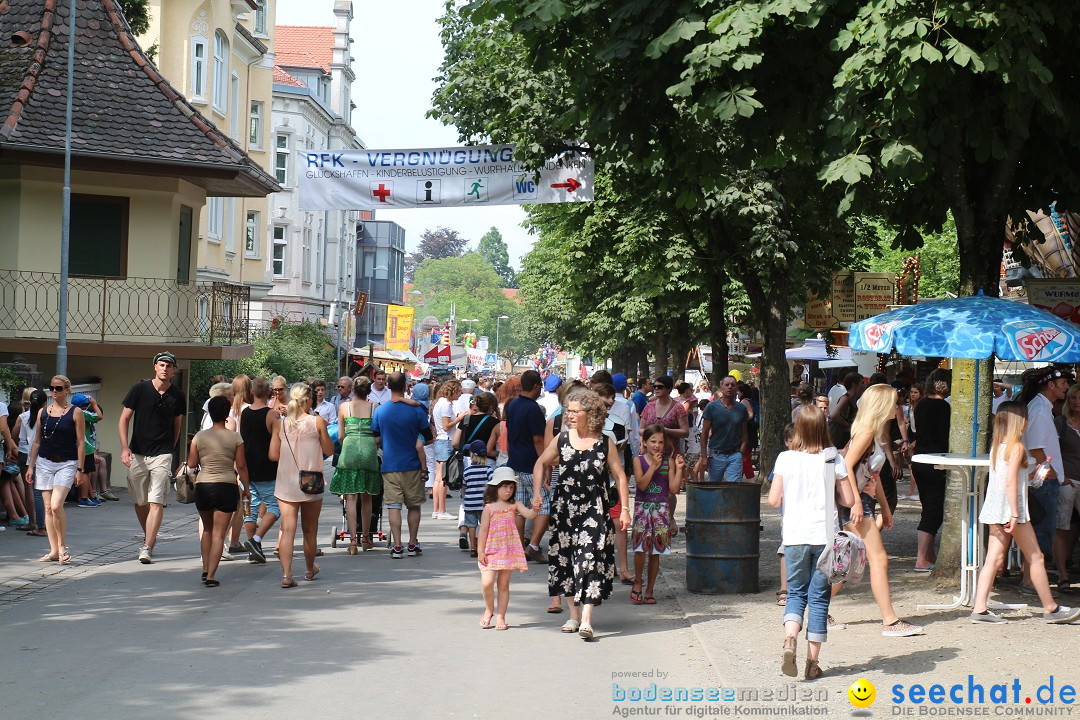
185,485
454,467
844,556
311,481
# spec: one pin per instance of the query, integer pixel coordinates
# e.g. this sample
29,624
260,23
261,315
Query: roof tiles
304,46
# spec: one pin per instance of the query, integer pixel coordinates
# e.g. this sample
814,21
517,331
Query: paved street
370,635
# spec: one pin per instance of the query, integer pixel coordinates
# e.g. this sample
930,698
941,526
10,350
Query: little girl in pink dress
499,545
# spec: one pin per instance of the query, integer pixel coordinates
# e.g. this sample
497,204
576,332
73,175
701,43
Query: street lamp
501,317
367,329
471,322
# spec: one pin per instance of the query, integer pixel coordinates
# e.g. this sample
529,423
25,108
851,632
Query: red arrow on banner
571,185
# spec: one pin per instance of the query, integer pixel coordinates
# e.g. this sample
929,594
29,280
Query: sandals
585,632
210,582
635,597
502,626
352,549
47,558
924,570
571,625
37,533
626,579
555,607
649,600
1064,586
366,545
781,597
485,621
310,574
288,582
65,557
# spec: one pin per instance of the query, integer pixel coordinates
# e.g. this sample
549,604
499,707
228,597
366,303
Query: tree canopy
435,244
493,248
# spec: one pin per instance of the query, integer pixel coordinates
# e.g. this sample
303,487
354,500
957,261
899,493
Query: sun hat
421,393
467,386
501,475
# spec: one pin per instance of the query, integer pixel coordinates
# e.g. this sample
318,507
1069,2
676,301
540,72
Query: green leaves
899,154
681,29
851,168
738,101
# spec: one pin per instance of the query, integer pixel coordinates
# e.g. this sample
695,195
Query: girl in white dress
1005,510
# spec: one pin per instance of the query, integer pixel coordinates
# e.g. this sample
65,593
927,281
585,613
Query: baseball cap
421,394
166,356
467,385
478,447
80,400
552,383
618,381
501,475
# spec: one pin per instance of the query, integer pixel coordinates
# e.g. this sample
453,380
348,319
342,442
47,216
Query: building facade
380,257
144,160
311,270
219,54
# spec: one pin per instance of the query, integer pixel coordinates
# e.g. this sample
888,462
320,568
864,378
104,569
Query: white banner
439,177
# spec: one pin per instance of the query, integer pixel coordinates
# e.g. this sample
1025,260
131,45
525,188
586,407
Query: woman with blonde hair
241,398
864,456
581,552
57,457
305,441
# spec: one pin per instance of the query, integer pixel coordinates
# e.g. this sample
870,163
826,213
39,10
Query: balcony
124,310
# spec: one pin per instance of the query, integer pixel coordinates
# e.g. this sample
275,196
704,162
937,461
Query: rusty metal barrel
722,537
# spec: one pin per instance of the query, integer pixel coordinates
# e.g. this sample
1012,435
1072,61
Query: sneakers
435,515
1028,590
415,550
788,666
146,555
396,552
813,670
986,617
535,555
904,629
226,555
446,516
87,503
832,624
1063,614
107,496
463,541
23,522
255,552
238,548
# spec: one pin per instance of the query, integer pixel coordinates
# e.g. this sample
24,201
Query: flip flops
635,597
554,609
288,582
485,621
649,600
310,574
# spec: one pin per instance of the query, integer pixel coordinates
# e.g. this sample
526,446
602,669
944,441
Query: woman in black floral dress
581,552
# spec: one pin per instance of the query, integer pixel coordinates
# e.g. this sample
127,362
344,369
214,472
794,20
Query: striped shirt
476,478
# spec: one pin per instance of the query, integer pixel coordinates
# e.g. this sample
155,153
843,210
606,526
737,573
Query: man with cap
549,401
152,412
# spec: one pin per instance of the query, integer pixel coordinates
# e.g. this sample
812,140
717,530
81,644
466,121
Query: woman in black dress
932,417
581,552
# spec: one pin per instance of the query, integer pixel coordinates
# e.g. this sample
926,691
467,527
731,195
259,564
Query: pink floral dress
503,546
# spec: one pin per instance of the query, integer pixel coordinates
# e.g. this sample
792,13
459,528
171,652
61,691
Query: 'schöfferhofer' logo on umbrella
879,335
1035,341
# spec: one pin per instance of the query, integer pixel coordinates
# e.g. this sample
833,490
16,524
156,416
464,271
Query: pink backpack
843,560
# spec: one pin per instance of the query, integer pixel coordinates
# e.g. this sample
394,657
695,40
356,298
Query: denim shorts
443,448
869,506
262,493
472,519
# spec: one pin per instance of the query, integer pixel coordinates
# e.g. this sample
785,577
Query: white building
313,253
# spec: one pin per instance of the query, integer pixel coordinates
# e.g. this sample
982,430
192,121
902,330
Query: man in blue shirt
640,398
724,433
396,425
525,425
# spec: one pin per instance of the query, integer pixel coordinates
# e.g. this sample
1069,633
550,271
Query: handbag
454,468
185,485
844,556
311,481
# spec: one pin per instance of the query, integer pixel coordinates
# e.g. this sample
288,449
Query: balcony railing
149,310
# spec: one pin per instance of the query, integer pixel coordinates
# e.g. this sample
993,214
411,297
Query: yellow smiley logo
862,693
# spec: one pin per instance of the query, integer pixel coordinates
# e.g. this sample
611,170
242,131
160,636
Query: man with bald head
344,393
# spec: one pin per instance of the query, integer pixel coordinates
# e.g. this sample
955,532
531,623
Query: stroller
341,534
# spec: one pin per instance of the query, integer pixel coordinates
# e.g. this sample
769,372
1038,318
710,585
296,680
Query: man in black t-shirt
154,408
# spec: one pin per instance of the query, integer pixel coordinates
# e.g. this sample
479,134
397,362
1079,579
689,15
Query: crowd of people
596,466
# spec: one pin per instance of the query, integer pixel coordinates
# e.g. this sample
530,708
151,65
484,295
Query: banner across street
437,177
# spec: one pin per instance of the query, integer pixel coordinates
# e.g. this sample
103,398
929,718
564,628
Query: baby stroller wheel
333,536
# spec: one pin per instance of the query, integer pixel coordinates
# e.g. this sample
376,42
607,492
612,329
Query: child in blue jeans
804,482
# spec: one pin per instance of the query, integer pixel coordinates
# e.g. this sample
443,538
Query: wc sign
440,177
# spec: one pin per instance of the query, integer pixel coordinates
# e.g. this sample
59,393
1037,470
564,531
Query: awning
815,349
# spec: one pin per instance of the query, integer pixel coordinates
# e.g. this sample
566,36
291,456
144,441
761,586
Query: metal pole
65,203
497,321
367,313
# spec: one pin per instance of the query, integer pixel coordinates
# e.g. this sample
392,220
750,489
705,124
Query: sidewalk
399,638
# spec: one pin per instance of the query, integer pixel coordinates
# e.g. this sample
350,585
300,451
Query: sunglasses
58,388
279,390
342,387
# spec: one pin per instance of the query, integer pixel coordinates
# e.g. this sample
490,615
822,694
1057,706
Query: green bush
296,351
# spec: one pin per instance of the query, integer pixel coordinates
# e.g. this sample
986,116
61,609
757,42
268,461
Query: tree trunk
979,241
770,314
718,328
680,344
661,353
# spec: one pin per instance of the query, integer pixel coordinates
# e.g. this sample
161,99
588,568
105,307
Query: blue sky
397,53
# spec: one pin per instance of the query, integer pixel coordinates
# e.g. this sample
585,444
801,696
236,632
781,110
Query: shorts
1068,498
217,497
443,449
403,488
148,479
49,474
869,505
472,519
615,511
525,493
89,465
262,492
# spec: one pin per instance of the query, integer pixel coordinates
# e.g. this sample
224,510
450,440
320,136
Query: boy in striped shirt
476,477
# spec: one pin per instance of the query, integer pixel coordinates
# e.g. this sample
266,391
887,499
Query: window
215,217
230,225
260,17
279,251
221,72
251,234
255,125
198,68
99,235
234,103
306,273
281,159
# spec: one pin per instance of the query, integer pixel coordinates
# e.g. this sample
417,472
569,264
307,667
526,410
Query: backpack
844,559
